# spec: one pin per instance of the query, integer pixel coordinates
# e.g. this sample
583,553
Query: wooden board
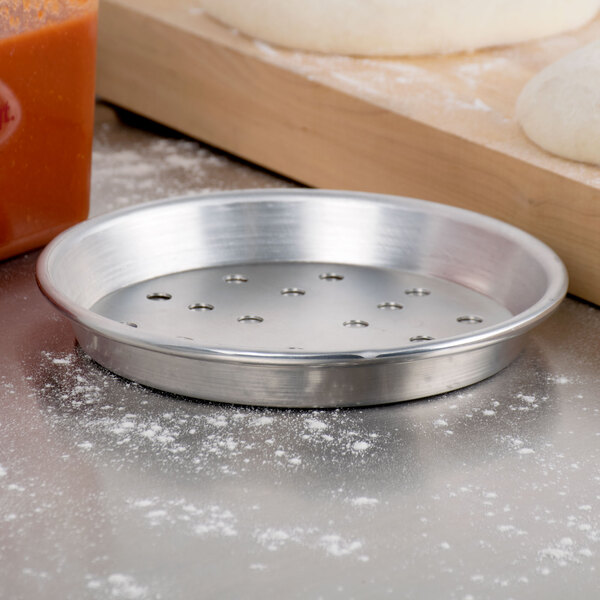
439,128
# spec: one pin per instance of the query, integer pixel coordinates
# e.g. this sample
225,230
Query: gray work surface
109,490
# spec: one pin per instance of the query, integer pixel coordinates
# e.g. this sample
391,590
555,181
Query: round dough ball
400,27
559,109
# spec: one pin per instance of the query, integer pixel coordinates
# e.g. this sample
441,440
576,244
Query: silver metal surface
301,298
113,491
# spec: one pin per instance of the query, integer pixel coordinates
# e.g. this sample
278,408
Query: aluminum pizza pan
301,298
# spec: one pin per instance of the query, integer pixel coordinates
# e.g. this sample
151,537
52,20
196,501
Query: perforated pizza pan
301,298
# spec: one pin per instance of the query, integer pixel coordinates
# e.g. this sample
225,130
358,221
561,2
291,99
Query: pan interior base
288,307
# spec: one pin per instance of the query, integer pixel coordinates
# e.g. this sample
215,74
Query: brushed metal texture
301,298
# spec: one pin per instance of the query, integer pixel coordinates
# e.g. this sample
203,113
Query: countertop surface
110,490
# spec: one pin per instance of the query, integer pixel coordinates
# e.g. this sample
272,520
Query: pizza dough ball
400,27
559,109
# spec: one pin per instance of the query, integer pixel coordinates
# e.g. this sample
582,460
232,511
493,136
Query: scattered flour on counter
63,361
273,539
119,586
315,425
195,520
239,447
334,545
527,399
518,446
152,168
363,501
184,162
505,528
2,471
215,440
156,516
125,586
360,446
131,165
260,421
526,451
565,552
38,574
218,421
143,503
559,379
